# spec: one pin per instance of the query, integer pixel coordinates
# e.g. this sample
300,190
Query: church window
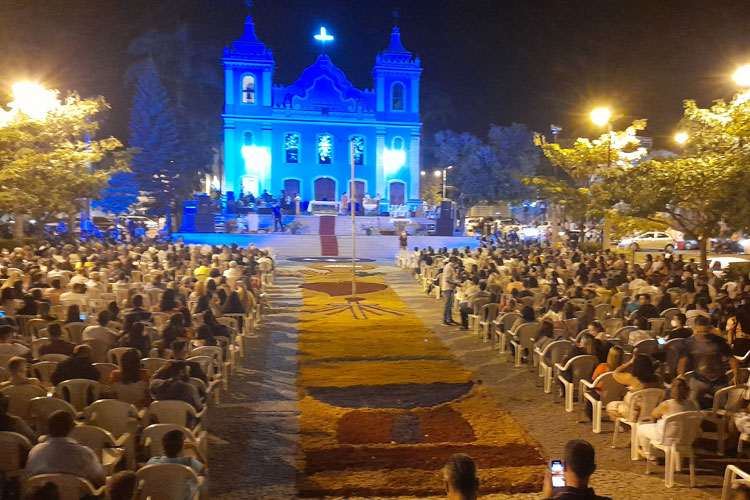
248,89
247,139
325,149
398,143
291,146
398,97
358,150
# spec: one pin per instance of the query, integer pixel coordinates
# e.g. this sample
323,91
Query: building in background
302,137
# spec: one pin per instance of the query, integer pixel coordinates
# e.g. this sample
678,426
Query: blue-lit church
303,137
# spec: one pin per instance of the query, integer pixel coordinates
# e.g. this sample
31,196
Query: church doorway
325,189
397,193
359,191
291,188
250,185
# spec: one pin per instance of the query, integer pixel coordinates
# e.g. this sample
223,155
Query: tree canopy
51,164
490,170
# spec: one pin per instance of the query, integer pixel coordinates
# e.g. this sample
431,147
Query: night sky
528,61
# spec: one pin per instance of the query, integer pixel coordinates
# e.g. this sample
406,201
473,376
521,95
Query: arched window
324,146
358,149
398,97
247,138
398,144
291,147
248,89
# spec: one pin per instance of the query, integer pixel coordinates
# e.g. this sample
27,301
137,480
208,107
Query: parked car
651,240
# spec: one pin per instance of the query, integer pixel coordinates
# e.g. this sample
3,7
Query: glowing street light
33,99
601,116
742,76
438,173
680,137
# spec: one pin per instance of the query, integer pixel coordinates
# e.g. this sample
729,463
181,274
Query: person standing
448,288
344,203
277,221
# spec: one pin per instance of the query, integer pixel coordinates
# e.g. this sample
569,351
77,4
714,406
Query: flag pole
354,228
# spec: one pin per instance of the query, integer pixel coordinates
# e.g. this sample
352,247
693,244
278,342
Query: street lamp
742,76
33,99
443,173
601,116
681,137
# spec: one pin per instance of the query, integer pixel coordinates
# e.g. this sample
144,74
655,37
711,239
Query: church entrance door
325,189
250,185
359,191
397,195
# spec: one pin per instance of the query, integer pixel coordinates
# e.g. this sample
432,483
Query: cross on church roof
323,37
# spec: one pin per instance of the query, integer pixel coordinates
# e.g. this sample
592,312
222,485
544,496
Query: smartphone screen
661,340
82,317
558,479
2,314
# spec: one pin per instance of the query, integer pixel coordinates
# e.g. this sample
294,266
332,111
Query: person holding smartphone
569,479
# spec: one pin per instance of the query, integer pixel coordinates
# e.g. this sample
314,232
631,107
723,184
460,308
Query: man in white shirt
77,296
59,454
9,347
447,288
233,273
101,332
80,276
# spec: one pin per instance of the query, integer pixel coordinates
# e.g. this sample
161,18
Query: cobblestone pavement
253,430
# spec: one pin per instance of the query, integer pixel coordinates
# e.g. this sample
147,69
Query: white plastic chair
105,370
174,412
106,447
69,486
15,448
57,358
78,392
151,440
114,355
169,482
43,370
552,354
680,431
642,404
580,368
487,315
42,407
726,403
611,390
152,364
503,324
37,344
19,397
221,368
523,340
75,331
733,477
120,419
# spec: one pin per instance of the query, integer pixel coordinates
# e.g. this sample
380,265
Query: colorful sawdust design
384,404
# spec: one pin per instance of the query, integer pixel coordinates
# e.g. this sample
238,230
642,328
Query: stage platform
376,247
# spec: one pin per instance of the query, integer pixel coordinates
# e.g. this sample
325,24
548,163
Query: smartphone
557,469
82,317
661,340
2,314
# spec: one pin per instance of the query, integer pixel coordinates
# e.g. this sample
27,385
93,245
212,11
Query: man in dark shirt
179,352
579,465
56,345
77,366
647,309
171,382
679,330
705,353
137,313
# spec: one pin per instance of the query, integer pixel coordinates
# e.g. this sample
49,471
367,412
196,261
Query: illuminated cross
323,37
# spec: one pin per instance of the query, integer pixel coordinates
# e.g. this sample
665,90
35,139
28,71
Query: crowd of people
655,339
94,335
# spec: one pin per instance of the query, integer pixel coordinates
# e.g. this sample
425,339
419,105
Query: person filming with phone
569,479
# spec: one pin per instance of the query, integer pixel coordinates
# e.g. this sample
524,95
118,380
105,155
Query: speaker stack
445,224
204,218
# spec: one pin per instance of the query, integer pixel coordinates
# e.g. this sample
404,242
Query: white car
651,240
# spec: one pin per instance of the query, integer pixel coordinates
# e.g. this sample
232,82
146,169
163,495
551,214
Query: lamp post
742,76
602,117
442,173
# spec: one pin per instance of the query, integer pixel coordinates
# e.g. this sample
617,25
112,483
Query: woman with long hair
136,339
73,314
168,302
130,382
680,402
638,373
174,329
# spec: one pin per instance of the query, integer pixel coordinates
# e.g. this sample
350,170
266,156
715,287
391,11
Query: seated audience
77,366
173,442
680,402
130,382
12,423
56,345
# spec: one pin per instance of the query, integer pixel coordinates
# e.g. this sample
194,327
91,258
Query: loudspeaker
444,227
204,204
204,223
230,202
446,210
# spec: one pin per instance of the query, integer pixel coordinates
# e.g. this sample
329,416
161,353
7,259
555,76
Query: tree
52,164
704,192
488,171
193,81
574,187
157,164
120,195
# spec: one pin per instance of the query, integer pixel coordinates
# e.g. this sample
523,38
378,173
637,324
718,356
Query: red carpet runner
328,244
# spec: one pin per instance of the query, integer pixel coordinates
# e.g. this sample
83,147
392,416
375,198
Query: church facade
302,138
